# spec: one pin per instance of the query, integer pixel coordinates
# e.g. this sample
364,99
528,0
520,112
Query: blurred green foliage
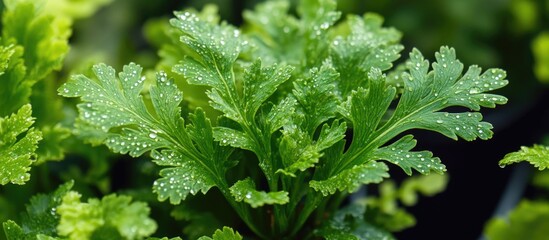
530,220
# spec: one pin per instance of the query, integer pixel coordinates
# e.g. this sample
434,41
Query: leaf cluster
288,91
284,117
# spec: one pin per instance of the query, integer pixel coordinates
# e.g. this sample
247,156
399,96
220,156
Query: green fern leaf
244,190
195,162
537,155
40,219
226,234
426,94
18,143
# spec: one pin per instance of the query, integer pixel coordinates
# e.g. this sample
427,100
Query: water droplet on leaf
474,91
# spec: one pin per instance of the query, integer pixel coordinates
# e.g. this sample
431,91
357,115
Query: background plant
528,212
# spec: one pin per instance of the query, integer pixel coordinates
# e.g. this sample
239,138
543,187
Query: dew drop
286,29
325,25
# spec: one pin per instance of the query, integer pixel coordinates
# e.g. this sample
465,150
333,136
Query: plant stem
312,202
243,211
280,221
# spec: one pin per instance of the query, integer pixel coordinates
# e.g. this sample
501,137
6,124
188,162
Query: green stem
337,200
320,211
295,193
330,206
243,211
280,219
313,200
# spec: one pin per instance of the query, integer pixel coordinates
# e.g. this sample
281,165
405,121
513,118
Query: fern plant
528,212
296,113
